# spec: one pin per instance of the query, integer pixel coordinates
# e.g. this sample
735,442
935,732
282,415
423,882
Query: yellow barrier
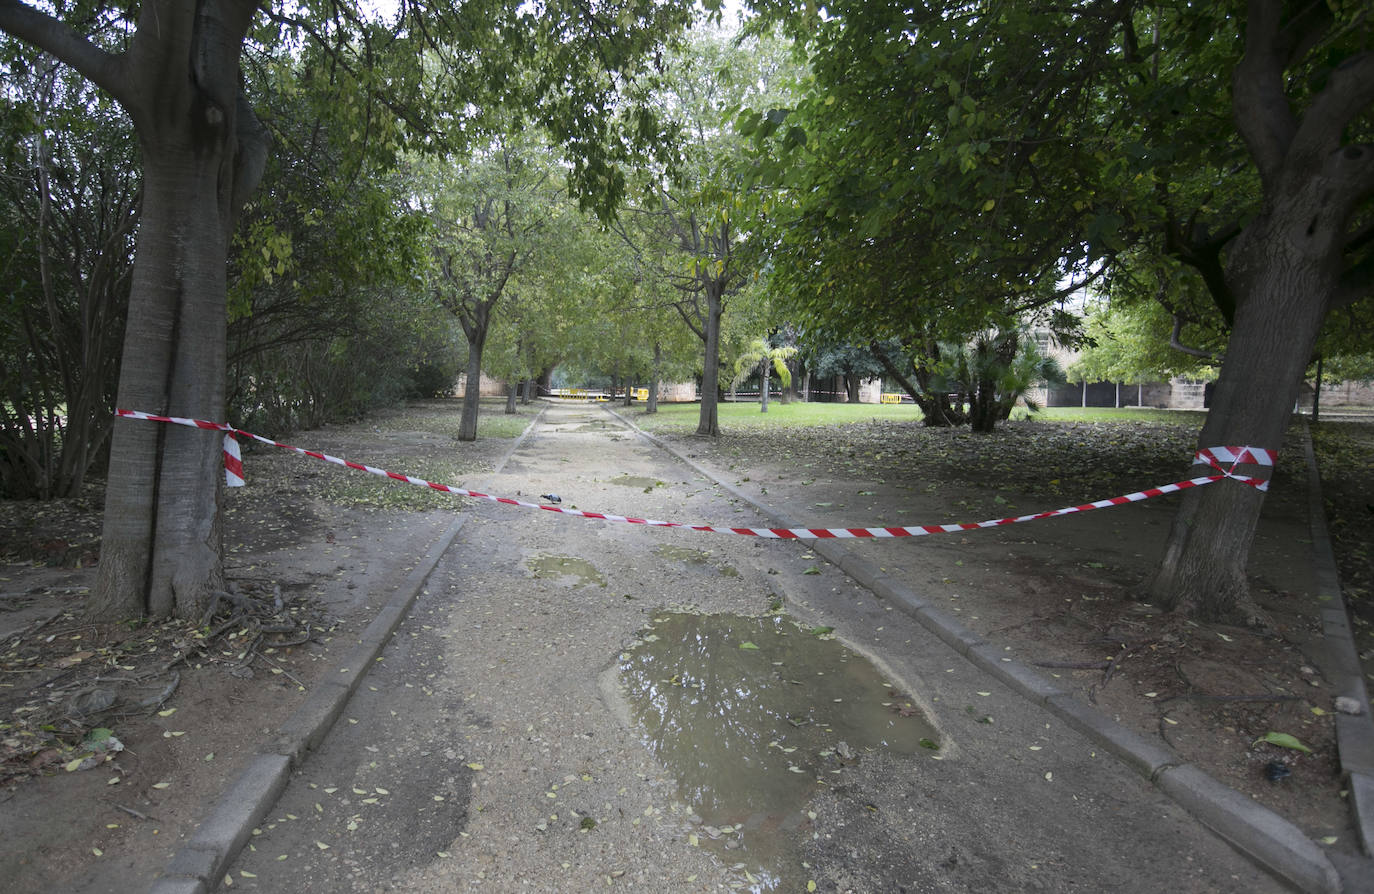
641,393
892,398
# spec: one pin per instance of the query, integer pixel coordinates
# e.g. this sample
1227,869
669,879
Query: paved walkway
485,747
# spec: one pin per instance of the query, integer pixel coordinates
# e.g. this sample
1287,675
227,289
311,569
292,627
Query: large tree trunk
203,153
1284,289
161,550
1284,270
708,422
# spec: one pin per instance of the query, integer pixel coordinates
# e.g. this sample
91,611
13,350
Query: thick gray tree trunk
161,550
1276,326
1286,270
203,153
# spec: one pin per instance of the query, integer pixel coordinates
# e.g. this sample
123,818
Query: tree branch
41,30
1349,91
1178,345
251,160
1202,251
1260,105
891,369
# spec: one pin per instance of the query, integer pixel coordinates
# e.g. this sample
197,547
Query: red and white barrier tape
1223,459
233,462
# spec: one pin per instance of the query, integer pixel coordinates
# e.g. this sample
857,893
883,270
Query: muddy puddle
693,557
752,715
599,425
579,572
639,481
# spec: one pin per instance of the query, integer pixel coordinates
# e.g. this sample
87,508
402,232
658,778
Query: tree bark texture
1285,281
203,152
1286,269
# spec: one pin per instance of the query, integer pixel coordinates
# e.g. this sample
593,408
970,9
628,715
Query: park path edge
198,866
1269,840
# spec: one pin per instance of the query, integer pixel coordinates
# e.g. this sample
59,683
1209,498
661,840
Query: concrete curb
199,866
1354,732
1267,839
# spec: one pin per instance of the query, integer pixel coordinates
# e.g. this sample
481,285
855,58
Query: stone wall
1338,394
487,386
677,392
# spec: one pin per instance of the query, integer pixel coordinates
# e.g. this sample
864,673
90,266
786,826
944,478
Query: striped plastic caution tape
1224,460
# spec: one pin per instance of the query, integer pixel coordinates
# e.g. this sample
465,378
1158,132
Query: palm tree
759,356
994,371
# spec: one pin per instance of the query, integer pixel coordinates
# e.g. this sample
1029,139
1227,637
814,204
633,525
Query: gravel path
488,749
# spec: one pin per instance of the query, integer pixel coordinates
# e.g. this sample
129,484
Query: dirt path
337,543
485,751
489,746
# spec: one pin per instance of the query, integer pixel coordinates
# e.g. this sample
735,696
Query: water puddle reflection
752,715
582,572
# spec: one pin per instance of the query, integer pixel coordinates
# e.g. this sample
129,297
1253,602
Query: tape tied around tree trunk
233,462
1237,456
1217,458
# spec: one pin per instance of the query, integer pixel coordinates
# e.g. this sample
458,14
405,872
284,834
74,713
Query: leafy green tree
849,362
177,70
327,316
994,371
687,228
953,162
553,299
1131,343
491,218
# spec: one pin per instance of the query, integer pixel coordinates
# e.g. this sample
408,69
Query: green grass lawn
492,421
683,417
1194,418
